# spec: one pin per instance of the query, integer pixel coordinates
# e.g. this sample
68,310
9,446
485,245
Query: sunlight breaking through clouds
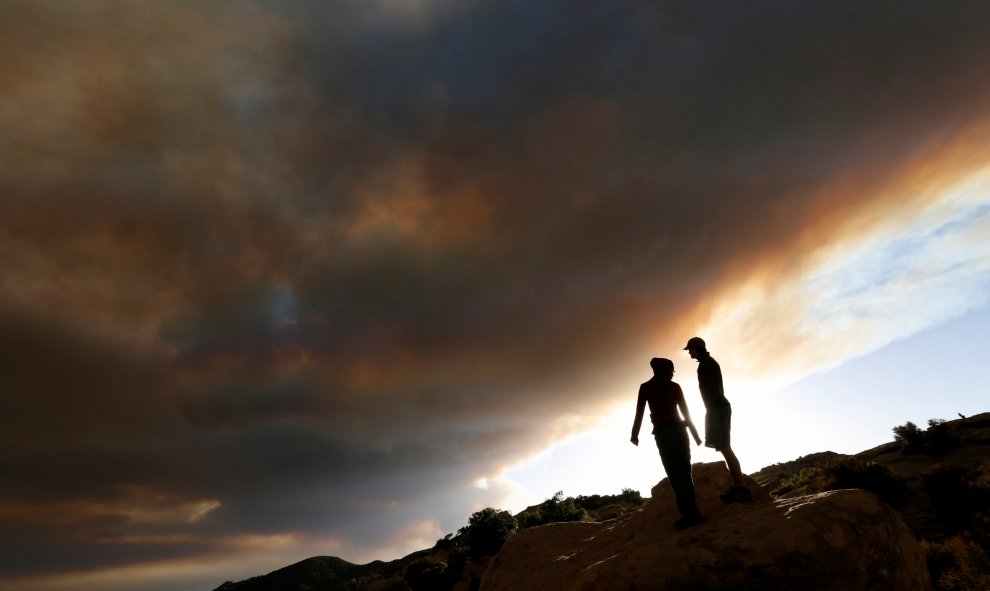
863,293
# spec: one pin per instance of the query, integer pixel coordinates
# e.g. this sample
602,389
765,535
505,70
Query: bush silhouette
429,574
957,564
910,437
940,440
554,510
487,530
847,472
936,440
851,472
631,496
628,496
445,542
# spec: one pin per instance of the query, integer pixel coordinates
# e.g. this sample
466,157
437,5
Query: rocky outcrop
846,539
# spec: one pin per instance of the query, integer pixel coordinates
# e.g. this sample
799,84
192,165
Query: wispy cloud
909,269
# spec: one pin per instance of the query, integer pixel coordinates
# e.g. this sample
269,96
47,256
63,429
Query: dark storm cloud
322,258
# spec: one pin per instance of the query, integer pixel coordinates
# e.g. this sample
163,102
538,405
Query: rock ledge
847,539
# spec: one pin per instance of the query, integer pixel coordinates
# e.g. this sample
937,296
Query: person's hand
694,433
635,440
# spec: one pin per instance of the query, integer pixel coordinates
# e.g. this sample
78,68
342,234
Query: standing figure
665,398
718,417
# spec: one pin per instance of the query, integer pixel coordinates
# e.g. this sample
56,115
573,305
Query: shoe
686,522
737,494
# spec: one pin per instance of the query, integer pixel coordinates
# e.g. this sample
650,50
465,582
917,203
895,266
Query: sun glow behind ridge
915,271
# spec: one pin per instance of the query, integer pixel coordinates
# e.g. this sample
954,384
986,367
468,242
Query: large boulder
847,539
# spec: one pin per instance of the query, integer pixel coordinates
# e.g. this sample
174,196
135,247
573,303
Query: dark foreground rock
842,539
847,539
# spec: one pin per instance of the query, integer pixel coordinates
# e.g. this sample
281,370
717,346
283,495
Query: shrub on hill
430,574
958,563
910,437
847,472
805,477
554,510
487,530
936,440
960,496
851,472
445,542
940,440
592,502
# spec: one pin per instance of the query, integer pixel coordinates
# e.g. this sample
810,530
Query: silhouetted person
665,398
718,417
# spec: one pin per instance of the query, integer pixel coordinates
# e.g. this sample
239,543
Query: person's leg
675,454
720,437
739,493
734,468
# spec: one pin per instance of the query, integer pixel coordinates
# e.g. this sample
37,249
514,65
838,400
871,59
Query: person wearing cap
718,417
665,398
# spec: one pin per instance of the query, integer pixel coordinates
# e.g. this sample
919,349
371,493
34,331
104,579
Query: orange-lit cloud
131,506
312,270
904,265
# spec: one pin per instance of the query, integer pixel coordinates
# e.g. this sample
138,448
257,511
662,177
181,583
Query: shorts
718,424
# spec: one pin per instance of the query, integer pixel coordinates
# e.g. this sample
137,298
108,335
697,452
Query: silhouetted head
695,345
663,368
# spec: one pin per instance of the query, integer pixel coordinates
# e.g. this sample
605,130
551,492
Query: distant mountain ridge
319,572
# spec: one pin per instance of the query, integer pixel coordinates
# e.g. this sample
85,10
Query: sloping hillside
945,481
965,448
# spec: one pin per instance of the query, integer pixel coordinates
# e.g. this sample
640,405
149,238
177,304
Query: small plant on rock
803,478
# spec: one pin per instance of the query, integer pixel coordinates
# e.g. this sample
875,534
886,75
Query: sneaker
686,522
737,494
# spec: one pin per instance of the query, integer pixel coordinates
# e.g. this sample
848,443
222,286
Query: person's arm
682,404
638,423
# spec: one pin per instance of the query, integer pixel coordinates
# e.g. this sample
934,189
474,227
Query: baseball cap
696,343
